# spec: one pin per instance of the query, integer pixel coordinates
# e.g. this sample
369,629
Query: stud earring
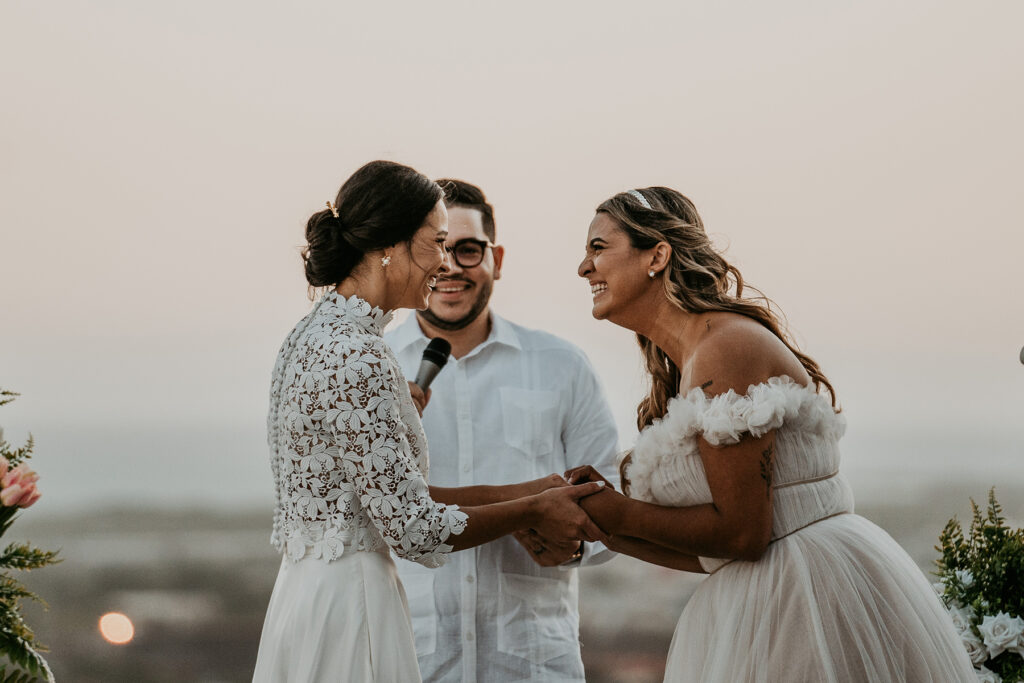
651,273
385,261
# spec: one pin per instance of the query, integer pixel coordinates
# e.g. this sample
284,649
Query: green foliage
17,642
984,571
17,455
17,676
24,556
23,656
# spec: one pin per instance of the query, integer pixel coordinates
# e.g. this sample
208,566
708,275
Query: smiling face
462,294
616,271
416,265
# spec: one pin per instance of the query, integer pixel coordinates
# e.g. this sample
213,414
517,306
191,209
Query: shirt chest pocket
530,421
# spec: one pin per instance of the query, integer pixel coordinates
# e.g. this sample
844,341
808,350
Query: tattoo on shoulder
706,384
766,466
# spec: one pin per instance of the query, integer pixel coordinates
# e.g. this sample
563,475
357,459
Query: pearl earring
651,273
385,261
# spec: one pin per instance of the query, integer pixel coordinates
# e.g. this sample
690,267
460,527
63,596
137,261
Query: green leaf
24,556
22,654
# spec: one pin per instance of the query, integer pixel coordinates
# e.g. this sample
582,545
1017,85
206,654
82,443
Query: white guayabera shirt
521,405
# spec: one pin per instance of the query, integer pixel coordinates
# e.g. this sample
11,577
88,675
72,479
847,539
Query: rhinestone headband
640,198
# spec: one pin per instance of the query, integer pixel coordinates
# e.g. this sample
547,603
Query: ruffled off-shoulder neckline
724,418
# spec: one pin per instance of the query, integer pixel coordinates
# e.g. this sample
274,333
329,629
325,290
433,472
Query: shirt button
469,635
469,579
465,468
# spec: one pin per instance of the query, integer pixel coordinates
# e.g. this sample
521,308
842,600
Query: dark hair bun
327,253
380,205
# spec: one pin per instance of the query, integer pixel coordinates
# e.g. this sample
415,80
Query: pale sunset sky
860,162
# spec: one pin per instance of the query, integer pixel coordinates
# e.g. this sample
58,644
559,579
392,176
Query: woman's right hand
561,519
420,398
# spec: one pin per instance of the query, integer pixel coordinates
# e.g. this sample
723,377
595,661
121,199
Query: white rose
975,648
1001,632
1019,647
986,676
963,618
966,577
939,588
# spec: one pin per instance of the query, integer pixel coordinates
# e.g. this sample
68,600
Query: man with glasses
512,404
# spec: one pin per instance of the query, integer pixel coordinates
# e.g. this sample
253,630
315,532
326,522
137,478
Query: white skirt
346,620
837,601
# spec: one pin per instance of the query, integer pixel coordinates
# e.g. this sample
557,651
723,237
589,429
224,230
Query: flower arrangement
981,582
18,491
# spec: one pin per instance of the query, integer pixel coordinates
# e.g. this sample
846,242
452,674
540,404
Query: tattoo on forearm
706,384
766,466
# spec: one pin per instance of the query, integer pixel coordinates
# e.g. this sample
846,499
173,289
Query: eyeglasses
468,252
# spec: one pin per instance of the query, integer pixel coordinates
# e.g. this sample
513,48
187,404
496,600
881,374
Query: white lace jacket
347,449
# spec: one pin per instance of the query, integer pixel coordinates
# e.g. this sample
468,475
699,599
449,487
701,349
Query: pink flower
31,498
19,475
18,486
11,495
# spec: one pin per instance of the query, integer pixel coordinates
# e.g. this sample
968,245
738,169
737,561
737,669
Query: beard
479,305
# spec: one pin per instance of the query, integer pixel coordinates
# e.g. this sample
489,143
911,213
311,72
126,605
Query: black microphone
434,358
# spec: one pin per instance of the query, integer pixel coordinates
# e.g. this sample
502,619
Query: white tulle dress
834,599
349,460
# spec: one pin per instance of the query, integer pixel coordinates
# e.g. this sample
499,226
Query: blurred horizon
859,164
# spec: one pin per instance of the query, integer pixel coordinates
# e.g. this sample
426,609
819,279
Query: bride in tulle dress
736,474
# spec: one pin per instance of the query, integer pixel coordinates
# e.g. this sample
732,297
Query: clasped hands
560,537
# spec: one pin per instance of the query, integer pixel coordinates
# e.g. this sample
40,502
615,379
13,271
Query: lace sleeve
273,430
376,457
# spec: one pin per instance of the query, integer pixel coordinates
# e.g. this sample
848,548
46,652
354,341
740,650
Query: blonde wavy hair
698,280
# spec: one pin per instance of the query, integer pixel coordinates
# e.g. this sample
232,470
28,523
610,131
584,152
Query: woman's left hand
542,484
545,552
419,397
584,473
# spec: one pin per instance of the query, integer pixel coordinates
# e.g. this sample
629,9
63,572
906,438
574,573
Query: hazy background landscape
860,164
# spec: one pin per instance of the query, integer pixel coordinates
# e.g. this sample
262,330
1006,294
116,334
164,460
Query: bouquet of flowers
17,491
981,582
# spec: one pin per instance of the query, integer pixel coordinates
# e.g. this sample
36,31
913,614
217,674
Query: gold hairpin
333,208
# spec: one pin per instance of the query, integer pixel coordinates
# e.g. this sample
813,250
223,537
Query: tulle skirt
346,620
838,601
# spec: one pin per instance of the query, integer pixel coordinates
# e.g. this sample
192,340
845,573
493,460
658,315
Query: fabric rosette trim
981,583
723,420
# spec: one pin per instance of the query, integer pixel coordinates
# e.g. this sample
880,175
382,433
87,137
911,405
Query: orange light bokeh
116,628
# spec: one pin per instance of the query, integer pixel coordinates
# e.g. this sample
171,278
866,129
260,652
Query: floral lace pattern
347,448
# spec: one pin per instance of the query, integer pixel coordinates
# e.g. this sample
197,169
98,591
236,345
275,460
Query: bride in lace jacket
348,453
736,474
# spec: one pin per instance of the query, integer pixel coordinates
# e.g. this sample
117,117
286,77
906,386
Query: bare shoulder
737,352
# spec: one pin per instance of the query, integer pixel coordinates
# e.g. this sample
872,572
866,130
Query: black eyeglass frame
453,250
